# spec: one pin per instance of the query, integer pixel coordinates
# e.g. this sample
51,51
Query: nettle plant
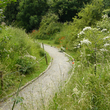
94,45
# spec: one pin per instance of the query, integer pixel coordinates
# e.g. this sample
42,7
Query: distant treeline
28,14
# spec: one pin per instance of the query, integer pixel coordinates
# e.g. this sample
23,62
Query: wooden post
1,77
43,46
46,59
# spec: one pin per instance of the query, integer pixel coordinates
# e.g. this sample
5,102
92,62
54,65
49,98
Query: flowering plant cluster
34,33
61,40
93,45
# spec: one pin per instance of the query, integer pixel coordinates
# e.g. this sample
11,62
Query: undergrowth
19,59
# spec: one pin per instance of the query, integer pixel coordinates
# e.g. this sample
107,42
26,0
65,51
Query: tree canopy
30,13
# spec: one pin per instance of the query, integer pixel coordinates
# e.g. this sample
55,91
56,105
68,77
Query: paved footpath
40,91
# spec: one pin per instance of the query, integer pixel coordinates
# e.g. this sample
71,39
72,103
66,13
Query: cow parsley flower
86,28
81,33
85,41
105,16
1,10
103,50
88,54
103,30
30,56
105,45
106,37
79,66
75,91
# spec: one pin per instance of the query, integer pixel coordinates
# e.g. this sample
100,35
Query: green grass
84,90
15,45
42,67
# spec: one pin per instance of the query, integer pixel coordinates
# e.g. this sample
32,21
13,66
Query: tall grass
88,88
88,41
19,56
85,91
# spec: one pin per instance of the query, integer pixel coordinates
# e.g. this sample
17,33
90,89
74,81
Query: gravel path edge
30,82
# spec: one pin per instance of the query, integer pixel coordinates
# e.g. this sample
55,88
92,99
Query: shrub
15,45
89,15
29,16
48,26
41,52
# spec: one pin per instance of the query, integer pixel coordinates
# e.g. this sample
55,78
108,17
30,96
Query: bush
23,64
89,15
104,23
41,52
15,45
48,26
31,11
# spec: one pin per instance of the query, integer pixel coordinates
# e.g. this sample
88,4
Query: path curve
40,91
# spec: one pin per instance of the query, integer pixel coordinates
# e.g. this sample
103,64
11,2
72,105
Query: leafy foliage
10,12
48,26
15,48
84,88
30,13
66,9
106,3
90,14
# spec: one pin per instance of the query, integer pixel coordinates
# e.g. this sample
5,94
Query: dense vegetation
19,59
28,13
86,38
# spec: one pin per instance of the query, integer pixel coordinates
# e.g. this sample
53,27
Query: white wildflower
103,50
105,16
1,10
8,55
5,50
85,41
30,56
88,54
86,28
78,46
103,30
75,91
79,66
95,64
106,37
105,45
81,33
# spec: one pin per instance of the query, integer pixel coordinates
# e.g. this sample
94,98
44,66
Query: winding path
40,91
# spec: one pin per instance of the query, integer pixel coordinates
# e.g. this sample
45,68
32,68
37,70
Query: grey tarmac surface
38,94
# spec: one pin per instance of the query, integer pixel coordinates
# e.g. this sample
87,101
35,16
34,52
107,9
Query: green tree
31,12
66,9
11,11
48,26
89,15
106,3
3,4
